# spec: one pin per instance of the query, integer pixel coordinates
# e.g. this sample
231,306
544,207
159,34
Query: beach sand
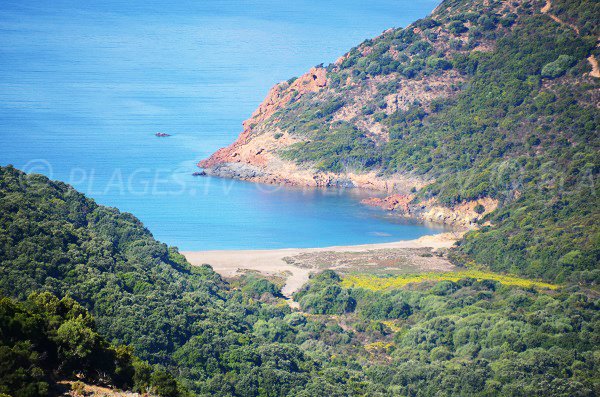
296,264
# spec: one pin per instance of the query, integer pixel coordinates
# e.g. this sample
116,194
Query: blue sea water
85,85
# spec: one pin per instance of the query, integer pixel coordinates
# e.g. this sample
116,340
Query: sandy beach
296,264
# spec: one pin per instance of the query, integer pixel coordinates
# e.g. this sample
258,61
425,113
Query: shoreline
276,171
231,263
389,194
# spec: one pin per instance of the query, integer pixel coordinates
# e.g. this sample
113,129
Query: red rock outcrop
390,203
462,214
279,96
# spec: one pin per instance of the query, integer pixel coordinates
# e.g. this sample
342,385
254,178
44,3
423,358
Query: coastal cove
416,213
86,88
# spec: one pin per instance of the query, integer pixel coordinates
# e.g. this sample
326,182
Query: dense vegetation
517,121
52,238
141,293
45,339
463,338
467,336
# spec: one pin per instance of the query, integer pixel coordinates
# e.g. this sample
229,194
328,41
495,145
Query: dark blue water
85,85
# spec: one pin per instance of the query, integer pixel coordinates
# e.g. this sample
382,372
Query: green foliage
339,147
256,287
479,208
438,63
388,306
477,338
323,295
44,339
558,67
457,27
54,239
76,343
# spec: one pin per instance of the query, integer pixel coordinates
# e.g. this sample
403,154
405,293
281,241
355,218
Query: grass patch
379,283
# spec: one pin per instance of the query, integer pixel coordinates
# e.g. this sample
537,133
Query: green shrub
558,67
438,63
255,287
457,27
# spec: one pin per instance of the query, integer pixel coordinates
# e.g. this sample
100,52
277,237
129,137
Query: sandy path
546,7
271,262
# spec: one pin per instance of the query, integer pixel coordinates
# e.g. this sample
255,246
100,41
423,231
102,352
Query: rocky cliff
256,154
462,215
456,108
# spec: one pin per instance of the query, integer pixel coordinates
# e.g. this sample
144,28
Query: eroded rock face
390,203
279,96
254,155
463,214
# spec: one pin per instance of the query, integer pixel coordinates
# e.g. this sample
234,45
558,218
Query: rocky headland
366,120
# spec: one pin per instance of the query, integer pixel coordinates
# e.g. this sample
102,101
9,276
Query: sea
86,85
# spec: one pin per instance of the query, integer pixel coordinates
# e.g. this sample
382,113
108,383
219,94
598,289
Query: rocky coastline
255,156
397,199
463,215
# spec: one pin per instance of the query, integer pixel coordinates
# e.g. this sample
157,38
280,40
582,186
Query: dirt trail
545,10
65,388
591,59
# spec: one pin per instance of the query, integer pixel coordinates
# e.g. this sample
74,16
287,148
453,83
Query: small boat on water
199,173
162,134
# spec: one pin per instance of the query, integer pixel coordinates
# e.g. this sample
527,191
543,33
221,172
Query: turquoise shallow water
85,85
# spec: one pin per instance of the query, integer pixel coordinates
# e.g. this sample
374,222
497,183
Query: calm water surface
85,85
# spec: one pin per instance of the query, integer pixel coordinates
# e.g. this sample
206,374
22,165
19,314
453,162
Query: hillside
464,333
142,293
45,340
484,102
